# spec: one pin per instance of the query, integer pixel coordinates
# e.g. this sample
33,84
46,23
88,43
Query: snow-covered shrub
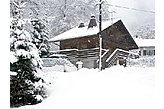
27,81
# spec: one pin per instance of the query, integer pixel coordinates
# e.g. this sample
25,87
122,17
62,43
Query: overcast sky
133,18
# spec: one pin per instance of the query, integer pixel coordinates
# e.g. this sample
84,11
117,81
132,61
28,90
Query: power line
131,8
117,6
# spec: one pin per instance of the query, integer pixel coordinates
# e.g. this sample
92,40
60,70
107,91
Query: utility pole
100,37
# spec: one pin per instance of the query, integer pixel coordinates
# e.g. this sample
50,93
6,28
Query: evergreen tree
27,82
40,36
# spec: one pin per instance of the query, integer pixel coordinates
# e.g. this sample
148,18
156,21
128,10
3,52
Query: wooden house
146,47
82,43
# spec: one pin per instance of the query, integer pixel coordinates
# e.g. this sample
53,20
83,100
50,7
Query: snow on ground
113,88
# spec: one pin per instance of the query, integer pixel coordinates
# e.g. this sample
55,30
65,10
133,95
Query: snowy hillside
146,31
113,88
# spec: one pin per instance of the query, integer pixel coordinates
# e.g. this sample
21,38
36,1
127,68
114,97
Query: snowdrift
113,88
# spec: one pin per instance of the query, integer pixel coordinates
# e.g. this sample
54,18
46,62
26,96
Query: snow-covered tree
63,15
70,13
40,36
146,31
27,81
37,24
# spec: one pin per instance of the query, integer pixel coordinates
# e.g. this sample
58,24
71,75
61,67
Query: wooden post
117,61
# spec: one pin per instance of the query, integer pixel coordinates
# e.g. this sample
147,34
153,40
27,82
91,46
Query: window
148,52
144,52
151,52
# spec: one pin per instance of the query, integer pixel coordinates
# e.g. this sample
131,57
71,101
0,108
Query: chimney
81,25
92,22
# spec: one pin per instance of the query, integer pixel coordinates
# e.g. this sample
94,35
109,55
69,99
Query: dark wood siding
117,36
80,43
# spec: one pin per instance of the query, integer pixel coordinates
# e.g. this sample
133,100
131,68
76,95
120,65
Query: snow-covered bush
27,81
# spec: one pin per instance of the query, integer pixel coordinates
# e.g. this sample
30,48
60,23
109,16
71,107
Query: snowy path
114,88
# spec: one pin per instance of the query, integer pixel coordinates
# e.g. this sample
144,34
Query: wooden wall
80,43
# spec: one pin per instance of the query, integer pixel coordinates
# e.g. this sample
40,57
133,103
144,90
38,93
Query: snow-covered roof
145,42
81,32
